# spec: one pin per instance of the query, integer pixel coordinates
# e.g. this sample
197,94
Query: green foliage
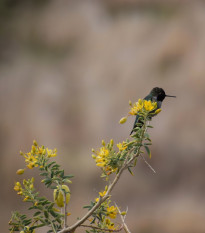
112,160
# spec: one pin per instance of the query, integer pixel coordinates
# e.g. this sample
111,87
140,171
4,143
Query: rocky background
67,72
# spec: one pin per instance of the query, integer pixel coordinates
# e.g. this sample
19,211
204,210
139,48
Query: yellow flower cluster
25,191
110,212
103,157
18,188
146,105
122,146
142,106
36,156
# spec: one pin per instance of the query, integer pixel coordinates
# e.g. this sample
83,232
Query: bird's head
159,94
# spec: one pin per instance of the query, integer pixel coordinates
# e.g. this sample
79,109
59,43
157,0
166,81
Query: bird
157,94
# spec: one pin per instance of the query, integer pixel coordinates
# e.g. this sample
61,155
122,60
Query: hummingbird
157,94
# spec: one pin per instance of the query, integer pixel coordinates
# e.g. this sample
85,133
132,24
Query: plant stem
126,163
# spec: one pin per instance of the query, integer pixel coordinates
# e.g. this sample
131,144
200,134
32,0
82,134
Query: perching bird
157,94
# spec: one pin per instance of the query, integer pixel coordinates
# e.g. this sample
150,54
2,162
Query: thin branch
149,166
101,200
110,188
65,209
123,220
98,228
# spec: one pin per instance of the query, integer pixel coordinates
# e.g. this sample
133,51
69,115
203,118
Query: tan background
67,72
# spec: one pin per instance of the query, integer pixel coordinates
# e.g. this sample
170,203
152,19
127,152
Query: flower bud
111,142
20,171
123,120
123,213
130,103
103,142
158,110
21,153
35,143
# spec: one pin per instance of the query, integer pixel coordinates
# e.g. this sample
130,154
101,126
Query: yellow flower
17,187
26,198
100,163
112,211
31,165
31,186
109,224
20,171
149,105
33,149
31,160
122,146
51,153
137,107
102,194
104,152
101,158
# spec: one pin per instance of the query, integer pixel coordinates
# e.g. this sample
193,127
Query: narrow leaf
148,151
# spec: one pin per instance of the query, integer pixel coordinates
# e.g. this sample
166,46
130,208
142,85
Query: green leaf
44,174
51,164
148,151
130,171
148,139
68,176
37,213
147,143
53,213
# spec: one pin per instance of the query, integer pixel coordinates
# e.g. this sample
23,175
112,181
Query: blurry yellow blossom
149,105
102,194
17,187
110,225
26,198
136,107
20,171
51,153
142,105
112,211
103,158
122,146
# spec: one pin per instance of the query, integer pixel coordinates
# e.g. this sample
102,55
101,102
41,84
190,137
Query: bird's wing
148,97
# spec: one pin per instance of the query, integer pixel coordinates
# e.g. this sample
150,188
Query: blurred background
67,72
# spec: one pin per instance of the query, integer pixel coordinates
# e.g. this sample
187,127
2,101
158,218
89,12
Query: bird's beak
170,96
